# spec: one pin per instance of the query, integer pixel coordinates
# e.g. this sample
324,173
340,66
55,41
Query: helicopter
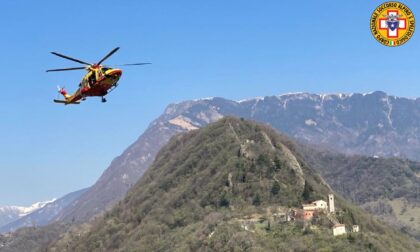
99,80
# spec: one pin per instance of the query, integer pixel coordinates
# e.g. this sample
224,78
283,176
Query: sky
234,49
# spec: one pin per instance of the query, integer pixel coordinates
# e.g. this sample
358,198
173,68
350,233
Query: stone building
300,214
316,205
331,203
339,229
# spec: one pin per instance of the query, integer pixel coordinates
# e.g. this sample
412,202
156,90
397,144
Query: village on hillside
305,214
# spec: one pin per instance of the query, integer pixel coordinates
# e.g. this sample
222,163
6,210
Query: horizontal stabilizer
65,102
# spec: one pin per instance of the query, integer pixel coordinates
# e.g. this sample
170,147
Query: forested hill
204,183
388,188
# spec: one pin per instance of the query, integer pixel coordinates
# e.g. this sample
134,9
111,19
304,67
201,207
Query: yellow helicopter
99,80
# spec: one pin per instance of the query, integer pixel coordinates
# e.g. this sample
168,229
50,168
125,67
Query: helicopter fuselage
97,82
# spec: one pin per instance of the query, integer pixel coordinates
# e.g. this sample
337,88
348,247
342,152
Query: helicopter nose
115,72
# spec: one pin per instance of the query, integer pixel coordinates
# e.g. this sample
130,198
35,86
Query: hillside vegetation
203,183
34,239
386,187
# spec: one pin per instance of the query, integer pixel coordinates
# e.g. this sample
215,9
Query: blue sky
233,49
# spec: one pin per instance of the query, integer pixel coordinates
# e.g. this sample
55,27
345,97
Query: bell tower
331,203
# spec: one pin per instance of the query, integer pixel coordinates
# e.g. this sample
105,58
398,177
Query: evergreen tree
307,191
224,201
275,188
257,200
277,164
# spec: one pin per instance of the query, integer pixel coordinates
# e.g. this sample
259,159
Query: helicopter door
91,79
99,74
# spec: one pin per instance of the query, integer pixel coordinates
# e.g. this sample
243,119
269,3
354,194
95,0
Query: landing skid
109,91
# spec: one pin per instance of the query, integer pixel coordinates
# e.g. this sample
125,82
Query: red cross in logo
392,33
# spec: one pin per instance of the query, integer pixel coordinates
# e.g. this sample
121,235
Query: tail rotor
62,91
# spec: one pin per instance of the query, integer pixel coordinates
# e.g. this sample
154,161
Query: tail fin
62,91
67,98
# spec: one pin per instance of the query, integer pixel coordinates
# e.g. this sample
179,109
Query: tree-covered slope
204,183
386,187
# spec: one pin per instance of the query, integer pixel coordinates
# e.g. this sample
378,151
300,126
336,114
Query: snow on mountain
9,214
43,213
27,210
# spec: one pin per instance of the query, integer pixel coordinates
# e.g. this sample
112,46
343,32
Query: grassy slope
202,181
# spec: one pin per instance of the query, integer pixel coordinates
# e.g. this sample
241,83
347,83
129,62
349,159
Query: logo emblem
392,23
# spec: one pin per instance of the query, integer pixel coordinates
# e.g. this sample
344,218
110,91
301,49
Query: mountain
369,124
44,214
9,214
203,186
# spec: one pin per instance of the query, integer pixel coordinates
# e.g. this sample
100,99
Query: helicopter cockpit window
92,79
104,69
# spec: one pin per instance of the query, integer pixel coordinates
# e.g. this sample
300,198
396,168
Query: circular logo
392,23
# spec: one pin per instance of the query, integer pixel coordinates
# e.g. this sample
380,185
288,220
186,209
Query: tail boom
68,99
66,102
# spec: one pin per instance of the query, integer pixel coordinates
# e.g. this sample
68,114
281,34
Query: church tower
331,203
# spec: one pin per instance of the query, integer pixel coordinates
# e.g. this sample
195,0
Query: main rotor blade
70,58
132,64
66,69
108,55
